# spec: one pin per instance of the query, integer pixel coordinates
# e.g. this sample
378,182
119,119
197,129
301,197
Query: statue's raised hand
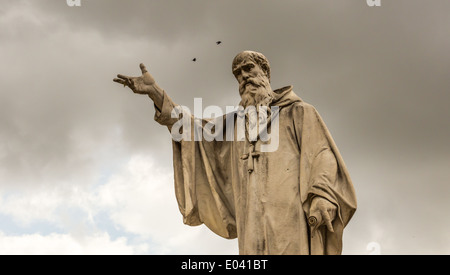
144,84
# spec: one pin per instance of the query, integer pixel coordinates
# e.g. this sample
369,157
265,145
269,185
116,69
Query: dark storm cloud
171,20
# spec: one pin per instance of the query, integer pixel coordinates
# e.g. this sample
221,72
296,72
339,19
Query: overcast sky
84,168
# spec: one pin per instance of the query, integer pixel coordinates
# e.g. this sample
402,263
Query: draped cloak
266,209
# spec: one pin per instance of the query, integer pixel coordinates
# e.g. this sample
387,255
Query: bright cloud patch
54,244
141,209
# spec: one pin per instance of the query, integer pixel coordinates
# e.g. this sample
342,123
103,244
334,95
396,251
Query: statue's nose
245,75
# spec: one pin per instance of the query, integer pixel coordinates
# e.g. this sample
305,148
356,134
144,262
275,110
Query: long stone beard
257,94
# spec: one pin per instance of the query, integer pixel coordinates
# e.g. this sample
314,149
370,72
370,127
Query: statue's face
246,73
254,84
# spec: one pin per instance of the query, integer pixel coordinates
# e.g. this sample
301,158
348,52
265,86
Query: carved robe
266,208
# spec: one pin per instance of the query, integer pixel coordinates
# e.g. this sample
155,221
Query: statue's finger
118,80
121,81
327,220
130,82
333,213
123,76
143,69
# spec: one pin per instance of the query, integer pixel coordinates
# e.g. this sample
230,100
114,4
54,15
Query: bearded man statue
295,199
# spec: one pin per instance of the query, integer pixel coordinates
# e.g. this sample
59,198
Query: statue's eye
248,67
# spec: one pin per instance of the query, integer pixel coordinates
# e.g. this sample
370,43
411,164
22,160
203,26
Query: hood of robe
285,96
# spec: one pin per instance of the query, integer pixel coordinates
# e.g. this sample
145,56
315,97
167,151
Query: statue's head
251,57
252,71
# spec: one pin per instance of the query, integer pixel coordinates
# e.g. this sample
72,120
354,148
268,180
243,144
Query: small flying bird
219,42
195,59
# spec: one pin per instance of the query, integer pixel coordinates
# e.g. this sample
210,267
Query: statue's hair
256,57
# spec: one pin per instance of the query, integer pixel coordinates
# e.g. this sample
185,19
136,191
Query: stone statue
295,199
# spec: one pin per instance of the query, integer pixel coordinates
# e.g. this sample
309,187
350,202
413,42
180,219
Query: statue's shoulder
302,106
300,109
